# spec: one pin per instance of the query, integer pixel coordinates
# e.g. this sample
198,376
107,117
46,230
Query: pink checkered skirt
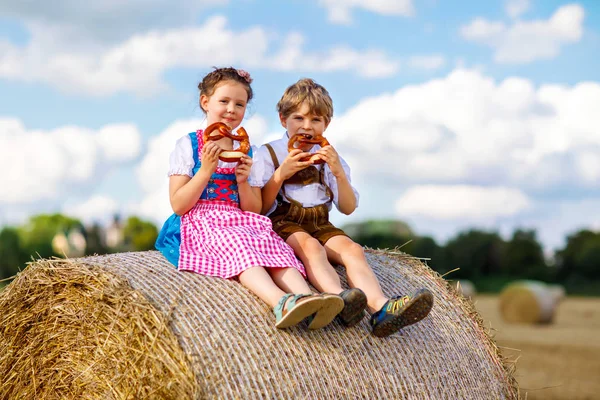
219,239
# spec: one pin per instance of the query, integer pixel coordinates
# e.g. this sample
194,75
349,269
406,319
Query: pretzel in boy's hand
302,139
219,130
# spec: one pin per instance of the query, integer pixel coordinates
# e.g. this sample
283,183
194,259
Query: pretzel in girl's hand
302,139
219,130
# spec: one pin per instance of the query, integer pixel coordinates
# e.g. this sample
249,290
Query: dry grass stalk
71,331
236,352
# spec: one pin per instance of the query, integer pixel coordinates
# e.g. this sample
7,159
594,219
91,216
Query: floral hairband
245,75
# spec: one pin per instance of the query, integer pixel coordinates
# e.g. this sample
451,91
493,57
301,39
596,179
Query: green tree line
37,239
483,257
488,260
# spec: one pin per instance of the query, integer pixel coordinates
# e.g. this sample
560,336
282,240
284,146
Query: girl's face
227,104
302,121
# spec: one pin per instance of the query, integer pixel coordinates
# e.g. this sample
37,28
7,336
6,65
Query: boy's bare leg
343,250
314,257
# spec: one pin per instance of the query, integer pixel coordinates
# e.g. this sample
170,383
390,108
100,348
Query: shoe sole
414,311
301,311
331,306
354,308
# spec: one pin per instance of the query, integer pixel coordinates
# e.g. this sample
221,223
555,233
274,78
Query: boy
297,195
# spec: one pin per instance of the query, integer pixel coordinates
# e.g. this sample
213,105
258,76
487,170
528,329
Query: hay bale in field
106,326
530,302
465,287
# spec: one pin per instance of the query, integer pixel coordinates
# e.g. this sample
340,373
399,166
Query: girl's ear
204,102
283,120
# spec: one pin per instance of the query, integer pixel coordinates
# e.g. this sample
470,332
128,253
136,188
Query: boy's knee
355,250
313,246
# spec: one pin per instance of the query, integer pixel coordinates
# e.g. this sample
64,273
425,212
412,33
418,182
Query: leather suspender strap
276,165
273,155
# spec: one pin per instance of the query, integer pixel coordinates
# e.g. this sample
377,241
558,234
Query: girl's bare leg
259,282
289,280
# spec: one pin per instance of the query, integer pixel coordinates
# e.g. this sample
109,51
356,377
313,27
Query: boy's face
303,121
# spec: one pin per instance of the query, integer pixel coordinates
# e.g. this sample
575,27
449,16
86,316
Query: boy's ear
203,102
283,120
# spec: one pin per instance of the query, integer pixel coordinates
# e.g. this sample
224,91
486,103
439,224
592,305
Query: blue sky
481,114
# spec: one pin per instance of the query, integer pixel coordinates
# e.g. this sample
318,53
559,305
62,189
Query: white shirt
309,195
181,161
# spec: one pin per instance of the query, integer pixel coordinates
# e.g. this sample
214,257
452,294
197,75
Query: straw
229,337
71,331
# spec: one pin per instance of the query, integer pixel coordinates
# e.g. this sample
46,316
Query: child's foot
332,304
293,308
399,312
355,302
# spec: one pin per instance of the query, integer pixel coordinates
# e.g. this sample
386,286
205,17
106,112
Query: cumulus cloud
527,41
340,11
427,62
138,63
369,63
473,203
43,164
467,128
85,21
94,209
516,8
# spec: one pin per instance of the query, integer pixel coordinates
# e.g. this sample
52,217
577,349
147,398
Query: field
556,361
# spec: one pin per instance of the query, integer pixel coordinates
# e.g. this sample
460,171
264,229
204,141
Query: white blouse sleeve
181,161
262,167
332,182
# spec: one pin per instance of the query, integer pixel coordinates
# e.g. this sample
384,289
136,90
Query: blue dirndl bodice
169,237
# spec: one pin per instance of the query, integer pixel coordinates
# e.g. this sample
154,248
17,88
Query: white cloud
468,128
427,62
138,63
84,21
340,11
95,208
524,42
473,203
44,164
516,8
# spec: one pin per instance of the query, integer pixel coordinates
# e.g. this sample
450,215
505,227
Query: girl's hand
292,163
242,170
331,157
210,157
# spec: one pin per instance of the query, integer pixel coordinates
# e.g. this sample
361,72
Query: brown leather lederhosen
290,216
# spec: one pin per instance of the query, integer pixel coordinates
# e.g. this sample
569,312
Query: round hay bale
228,337
529,302
73,331
465,287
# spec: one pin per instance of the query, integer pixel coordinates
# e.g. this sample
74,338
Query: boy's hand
210,157
242,170
292,164
331,157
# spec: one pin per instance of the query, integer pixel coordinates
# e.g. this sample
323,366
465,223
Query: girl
216,229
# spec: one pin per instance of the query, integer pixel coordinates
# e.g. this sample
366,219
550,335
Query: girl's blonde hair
306,91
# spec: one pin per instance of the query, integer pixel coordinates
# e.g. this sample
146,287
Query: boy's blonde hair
306,91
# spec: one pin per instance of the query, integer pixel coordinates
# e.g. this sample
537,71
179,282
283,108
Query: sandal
332,305
291,313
